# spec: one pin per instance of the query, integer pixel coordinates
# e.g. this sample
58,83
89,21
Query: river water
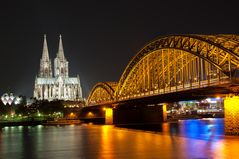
192,139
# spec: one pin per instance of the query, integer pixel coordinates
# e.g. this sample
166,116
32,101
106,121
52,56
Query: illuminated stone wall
231,109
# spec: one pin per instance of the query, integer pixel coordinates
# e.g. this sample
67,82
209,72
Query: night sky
99,37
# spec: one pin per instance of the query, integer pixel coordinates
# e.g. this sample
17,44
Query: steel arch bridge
102,93
174,63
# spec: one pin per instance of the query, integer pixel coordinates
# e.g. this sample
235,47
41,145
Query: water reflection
185,139
206,129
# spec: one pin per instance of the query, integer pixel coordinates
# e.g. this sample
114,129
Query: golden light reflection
165,128
106,143
231,109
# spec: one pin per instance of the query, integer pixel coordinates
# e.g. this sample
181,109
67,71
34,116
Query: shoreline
21,123
39,122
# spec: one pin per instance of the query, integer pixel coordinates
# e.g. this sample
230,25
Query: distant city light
10,98
17,100
208,100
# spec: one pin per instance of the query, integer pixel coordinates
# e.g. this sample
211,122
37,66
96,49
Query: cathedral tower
45,63
60,86
60,62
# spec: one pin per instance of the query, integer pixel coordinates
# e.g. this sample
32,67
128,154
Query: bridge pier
231,110
128,114
164,111
108,116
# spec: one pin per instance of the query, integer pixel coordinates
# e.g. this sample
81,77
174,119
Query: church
57,86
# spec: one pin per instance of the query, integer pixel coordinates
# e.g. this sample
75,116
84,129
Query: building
57,86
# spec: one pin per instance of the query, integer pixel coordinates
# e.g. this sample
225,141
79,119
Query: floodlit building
58,85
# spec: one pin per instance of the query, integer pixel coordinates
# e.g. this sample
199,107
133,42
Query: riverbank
193,116
40,122
62,122
21,123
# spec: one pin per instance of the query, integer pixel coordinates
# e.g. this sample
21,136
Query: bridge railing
182,87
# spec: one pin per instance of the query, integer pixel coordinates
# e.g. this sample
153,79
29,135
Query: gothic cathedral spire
60,62
45,54
60,53
45,63
60,86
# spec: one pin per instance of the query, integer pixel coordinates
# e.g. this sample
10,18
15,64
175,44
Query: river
192,139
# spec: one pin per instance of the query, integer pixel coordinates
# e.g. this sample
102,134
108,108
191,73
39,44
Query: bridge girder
102,92
220,51
171,63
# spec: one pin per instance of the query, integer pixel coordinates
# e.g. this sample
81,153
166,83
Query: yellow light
231,110
164,111
90,114
108,116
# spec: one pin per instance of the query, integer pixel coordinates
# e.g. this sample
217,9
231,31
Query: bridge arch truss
173,63
102,93
179,62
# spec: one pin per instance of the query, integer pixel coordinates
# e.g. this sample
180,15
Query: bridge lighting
89,114
218,98
109,116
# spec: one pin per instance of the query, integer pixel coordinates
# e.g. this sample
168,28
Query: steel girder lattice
102,93
178,62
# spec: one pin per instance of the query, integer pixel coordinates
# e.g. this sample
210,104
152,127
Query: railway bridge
169,69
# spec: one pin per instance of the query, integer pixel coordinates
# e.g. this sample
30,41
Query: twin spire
60,62
45,53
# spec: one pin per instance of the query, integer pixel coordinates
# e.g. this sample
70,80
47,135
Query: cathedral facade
56,85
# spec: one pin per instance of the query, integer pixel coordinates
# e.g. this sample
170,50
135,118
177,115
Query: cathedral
57,86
